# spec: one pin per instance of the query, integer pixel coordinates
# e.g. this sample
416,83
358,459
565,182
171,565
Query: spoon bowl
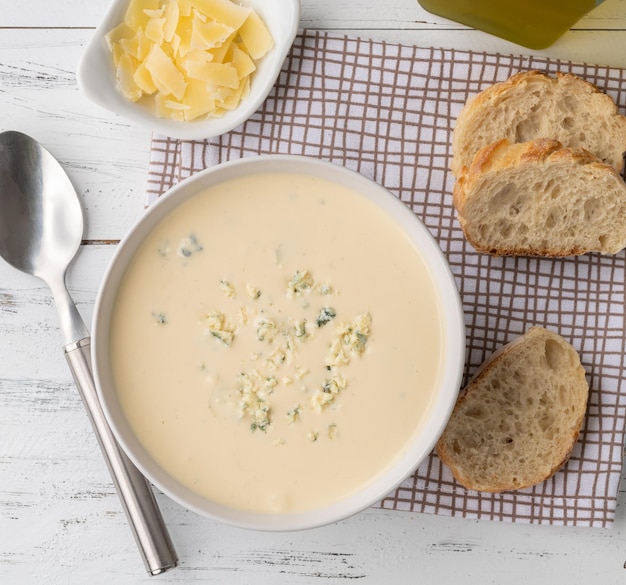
41,224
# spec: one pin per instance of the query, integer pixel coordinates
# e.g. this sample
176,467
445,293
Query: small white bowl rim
440,410
96,76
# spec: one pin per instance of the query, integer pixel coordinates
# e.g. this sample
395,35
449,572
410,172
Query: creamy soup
275,342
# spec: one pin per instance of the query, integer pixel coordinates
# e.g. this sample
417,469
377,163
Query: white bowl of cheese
278,343
189,69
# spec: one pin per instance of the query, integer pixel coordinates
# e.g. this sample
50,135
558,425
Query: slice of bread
540,199
519,418
533,105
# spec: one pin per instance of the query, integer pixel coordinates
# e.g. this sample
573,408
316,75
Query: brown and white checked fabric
387,111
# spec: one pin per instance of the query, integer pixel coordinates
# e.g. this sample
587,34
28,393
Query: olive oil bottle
535,24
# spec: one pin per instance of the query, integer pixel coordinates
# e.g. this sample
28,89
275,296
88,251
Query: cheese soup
275,342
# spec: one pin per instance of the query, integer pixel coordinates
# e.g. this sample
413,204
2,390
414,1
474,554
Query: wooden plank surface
60,520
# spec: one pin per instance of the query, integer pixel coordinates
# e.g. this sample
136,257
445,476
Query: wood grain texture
60,520
357,14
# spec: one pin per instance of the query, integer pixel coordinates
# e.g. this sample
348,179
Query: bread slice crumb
517,421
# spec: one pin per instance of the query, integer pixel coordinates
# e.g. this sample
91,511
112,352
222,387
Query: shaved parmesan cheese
136,16
121,31
162,109
154,30
138,46
165,74
184,31
199,55
187,59
154,13
200,98
209,35
231,101
172,15
126,70
220,74
220,53
242,62
144,80
117,52
185,7
174,105
255,36
224,11
175,44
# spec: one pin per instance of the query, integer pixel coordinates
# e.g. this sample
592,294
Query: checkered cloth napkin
387,111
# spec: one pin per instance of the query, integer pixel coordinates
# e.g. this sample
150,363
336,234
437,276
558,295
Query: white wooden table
60,520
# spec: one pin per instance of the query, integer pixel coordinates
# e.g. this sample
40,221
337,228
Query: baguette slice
540,199
533,105
519,418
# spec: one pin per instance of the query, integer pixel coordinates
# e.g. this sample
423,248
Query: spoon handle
135,493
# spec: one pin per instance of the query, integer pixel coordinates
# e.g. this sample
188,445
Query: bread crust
526,90
488,480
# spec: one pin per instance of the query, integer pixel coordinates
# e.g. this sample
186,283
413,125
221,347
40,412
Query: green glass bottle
535,24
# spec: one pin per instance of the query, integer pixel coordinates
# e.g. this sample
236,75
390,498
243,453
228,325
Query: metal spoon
41,227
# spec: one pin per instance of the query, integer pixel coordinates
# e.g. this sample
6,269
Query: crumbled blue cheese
244,315
276,359
253,404
300,282
326,315
216,325
332,387
313,436
160,317
253,292
288,340
189,246
355,335
265,330
351,337
185,248
270,383
294,414
228,289
324,289
300,330
254,393
336,355
164,249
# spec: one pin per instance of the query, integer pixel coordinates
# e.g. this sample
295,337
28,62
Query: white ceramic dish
96,74
453,327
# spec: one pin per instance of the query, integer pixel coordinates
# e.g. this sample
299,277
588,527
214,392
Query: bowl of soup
278,342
